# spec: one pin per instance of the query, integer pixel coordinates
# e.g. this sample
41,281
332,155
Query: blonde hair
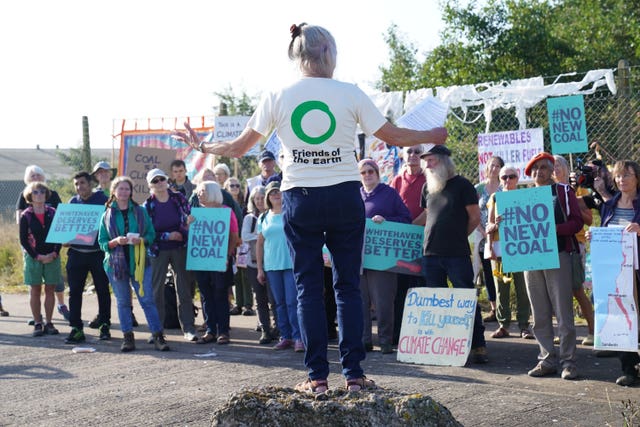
114,184
199,177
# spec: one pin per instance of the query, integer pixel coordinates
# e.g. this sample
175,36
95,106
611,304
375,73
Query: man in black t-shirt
451,205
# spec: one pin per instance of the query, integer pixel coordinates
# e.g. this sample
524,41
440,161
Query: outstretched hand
190,137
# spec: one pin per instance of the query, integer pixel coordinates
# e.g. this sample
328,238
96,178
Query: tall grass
11,277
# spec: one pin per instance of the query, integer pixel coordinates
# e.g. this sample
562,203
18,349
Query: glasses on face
158,179
234,185
36,192
414,151
510,176
367,172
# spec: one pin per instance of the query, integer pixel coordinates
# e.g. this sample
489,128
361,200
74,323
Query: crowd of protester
279,223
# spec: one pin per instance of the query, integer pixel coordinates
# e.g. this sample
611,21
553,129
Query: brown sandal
500,333
360,384
223,339
312,386
206,339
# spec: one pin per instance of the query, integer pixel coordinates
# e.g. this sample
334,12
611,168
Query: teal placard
394,247
208,239
76,224
528,229
567,125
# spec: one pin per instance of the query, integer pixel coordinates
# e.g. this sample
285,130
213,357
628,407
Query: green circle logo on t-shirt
298,115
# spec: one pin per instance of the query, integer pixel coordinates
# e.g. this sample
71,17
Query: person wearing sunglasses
170,214
317,119
381,203
509,180
41,259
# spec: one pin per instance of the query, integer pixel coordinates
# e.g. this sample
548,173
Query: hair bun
295,30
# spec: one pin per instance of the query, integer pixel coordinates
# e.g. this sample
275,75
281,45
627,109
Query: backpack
171,319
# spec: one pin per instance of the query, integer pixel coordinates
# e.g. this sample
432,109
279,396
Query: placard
612,272
515,147
528,229
567,125
75,224
394,247
141,160
437,326
208,239
228,128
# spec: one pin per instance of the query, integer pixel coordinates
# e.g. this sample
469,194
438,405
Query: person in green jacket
125,232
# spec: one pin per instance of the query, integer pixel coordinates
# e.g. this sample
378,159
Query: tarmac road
44,383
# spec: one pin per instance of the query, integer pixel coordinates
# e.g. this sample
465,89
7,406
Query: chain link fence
613,121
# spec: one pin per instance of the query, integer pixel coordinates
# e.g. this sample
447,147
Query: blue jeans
122,290
312,217
283,287
460,272
215,301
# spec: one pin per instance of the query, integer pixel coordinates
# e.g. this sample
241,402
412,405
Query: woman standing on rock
317,118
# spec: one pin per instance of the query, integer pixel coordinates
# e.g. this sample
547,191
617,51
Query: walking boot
159,342
129,343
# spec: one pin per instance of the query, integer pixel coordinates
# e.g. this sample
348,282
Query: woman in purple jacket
381,203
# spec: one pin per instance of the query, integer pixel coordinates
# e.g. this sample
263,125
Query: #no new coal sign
567,125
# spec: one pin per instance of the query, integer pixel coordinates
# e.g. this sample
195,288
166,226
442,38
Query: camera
585,174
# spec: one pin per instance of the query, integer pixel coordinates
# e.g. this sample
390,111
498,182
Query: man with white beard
451,205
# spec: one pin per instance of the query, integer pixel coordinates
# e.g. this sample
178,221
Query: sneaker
298,347
542,370
569,373
76,336
49,329
31,322
160,342
104,332
248,312
526,334
627,380
190,336
500,333
386,349
64,311
478,355
95,323
588,340
37,330
235,311
265,338
283,344
3,312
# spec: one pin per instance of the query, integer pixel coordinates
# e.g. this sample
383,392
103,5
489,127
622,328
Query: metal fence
613,121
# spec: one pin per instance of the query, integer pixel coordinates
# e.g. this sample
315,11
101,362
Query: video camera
585,174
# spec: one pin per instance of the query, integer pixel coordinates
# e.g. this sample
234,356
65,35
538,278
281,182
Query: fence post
624,78
625,113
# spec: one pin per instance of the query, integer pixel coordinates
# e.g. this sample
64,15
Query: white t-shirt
316,119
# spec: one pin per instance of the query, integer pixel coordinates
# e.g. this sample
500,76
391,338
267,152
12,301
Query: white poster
437,325
514,147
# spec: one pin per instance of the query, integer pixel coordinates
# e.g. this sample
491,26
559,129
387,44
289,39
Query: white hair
222,167
212,188
314,50
33,169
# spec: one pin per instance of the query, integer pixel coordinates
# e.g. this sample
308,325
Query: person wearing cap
103,173
550,290
170,214
451,205
317,119
267,163
381,203
275,266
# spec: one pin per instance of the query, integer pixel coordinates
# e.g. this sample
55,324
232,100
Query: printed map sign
392,246
612,271
208,239
527,230
514,147
75,223
567,124
437,324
